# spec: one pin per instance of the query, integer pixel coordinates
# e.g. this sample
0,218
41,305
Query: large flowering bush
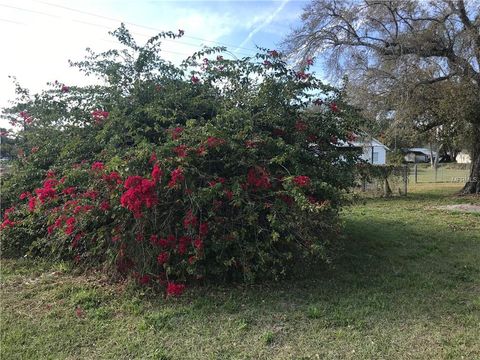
220,169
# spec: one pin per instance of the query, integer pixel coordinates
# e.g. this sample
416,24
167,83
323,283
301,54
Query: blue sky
44,34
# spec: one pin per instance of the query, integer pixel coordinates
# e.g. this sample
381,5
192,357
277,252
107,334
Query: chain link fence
443,173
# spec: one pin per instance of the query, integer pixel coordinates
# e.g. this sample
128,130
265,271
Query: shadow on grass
388,271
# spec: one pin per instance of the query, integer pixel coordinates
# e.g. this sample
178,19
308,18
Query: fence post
405,179
415,170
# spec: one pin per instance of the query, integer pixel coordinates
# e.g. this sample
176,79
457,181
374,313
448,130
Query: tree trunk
473,184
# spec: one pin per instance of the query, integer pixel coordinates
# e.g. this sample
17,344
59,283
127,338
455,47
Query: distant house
463,157
373,151
418,155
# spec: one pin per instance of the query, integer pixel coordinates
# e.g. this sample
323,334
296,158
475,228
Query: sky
40,36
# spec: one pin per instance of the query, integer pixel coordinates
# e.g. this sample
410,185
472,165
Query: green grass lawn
407,286
446,173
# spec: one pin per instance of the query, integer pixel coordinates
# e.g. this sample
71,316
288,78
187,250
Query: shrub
218,169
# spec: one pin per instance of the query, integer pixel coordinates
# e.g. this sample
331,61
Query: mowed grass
446,173
407,286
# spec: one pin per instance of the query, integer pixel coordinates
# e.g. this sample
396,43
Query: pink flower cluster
139,193
175,177
7,222
100,115
301,180
258,178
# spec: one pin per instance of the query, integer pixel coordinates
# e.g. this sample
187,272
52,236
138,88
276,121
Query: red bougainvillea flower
154,239
69,190
140,193
267,63
214,142
301,125
278,132
198,243
139,237
76,240
153,158
229,194
190,220
144,279
334,107
309,61
318,102
26,117
100,115
176,132
312,199
163,242
182,244
50,174
105,206
64,89
34,149
194,79
156,173
98,166
90,194
203,229
218,180
113,178
7,223
287,199
47,191
176,176
70,222
180,150
201,151
25,195
273,53
162,258
258,178
301,180
302,75
175,289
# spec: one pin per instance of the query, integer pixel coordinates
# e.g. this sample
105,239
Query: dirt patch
470,208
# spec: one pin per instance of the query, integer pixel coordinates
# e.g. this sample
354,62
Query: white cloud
37,44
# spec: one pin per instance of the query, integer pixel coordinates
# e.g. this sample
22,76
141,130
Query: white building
463,157
373,151
418,155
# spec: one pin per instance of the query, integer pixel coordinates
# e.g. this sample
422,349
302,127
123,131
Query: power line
138,25
29,10
12,22
109,28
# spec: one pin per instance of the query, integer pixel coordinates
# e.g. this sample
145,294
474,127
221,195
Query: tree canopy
417,60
